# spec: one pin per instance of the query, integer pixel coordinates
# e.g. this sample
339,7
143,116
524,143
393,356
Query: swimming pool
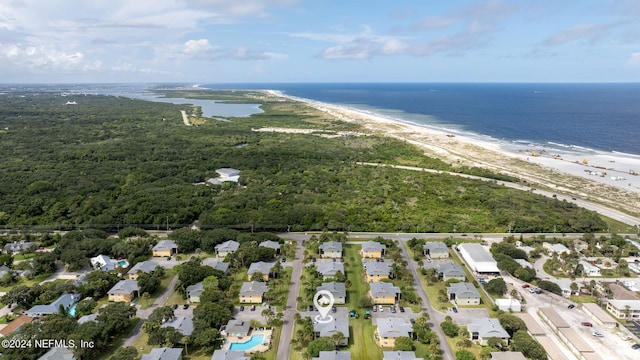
123,263
72,311
249,344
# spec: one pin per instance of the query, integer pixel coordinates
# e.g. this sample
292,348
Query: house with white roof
589,269
478,258
555,248
225,174
103,263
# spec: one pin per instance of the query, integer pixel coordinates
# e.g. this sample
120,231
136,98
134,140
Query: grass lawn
475,348
146,303
584,299
26,282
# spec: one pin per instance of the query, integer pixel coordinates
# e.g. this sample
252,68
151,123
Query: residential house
336,289
226,248
229,355
483,329
389,329
555,248
333,327
565,287
194,292
15,324
624,309
165,248
58,353
328,268
88,318
333,355
4,270
436,250
124,291
16,247
163,354
526,249
237,328
384,293
183,324
217,264
600,316
331,250
588,269
463,293
451,271
271,245
261,267
372,249
399,355
141,267
375,271
65,301
252,292
103,263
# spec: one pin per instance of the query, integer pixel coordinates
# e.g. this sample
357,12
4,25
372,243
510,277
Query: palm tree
337,338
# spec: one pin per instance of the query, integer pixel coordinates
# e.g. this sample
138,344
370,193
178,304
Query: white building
512,305
478,259
589,269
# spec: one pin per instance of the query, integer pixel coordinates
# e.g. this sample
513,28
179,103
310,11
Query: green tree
449,328
496,286
403,343
125,353
464,355
320,344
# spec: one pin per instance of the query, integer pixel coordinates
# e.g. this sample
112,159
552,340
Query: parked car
253,308
393,309
380,308
526,286
185,306
413,321
241,307
175,306
334,309
374,308
310,307
635,346
571,306
455,310
597,334
587,324
284,259
401,309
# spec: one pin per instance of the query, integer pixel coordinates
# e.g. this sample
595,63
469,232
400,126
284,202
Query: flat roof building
478,258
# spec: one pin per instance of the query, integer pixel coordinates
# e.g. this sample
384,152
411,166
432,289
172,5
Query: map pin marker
325,303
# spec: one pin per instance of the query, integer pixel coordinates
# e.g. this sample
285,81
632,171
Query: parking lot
248,315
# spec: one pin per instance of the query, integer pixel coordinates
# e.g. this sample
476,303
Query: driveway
288,321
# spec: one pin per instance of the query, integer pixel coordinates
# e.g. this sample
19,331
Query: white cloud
197,46
634,59
590,32
42,56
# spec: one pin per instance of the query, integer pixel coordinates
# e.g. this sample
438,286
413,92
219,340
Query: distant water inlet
213,108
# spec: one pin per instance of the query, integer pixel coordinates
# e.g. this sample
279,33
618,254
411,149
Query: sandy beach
606,178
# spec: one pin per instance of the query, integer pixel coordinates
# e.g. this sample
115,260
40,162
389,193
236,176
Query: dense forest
109,162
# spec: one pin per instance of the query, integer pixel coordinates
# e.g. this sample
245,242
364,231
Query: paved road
435,316
144,314
287,328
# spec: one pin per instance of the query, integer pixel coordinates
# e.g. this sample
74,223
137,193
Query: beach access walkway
185,118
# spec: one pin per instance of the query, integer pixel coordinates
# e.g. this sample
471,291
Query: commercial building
478,259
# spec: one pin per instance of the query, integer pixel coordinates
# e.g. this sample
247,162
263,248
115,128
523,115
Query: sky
235,41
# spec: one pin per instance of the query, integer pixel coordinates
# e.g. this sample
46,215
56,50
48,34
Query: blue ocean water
602,117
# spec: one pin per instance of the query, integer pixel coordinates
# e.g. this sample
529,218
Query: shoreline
584,173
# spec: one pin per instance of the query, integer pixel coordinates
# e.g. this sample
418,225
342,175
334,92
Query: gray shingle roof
451,269
486,328
379,289
217,264
15,247
253,288
163,354
331,246
58,354
66,300
229,355
372,246
329,268
165,245
124,287
335,288
463,290
195,289
436,246
238,327
229,245
378,268
399,355
333,327
260,266
144,266
393,327
333,355
184,324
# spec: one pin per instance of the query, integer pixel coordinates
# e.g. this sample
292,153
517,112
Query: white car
380,308
597,334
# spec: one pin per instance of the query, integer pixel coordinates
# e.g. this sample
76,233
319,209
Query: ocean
581,117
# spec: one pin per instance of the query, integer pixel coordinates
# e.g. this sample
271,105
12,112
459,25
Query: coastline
605,178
